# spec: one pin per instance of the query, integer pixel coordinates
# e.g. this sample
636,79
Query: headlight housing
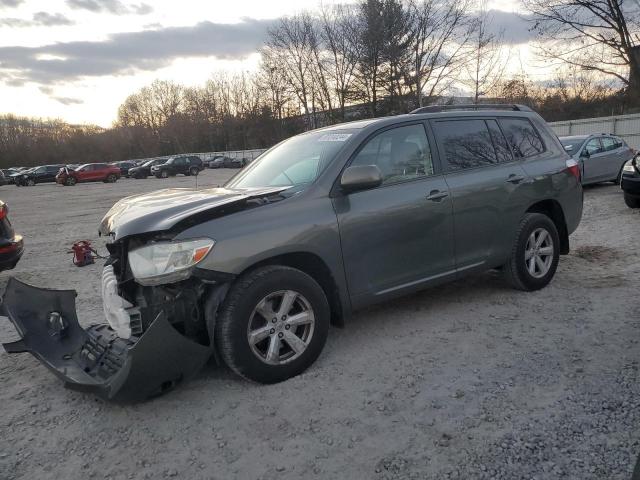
629,168
167,262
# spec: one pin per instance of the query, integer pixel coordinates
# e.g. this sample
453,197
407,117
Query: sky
79,59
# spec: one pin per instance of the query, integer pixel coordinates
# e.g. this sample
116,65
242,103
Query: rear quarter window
523,138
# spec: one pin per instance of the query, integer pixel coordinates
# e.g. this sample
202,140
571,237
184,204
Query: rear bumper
96,360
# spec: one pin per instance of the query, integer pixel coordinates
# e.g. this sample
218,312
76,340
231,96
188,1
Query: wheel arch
316,268
552,209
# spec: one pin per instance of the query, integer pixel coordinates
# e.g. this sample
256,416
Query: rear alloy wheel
632,201
111,178
71,181
31,182
273,325
535,254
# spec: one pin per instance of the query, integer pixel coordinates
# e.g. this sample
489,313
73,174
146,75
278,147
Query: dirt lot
469,380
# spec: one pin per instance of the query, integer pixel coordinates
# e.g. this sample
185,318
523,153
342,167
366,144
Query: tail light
3,211
573,168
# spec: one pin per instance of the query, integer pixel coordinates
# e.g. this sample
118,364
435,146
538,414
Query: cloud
115,7
10,3
516,27
125,53
51,20
40,19
68,100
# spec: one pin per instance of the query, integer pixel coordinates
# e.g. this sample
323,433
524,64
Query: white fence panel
624,126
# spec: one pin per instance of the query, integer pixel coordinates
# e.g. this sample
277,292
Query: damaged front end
156,335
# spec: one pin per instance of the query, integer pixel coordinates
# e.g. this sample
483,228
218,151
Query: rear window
523,138
466,143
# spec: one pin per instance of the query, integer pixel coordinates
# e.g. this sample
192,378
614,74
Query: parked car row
70,174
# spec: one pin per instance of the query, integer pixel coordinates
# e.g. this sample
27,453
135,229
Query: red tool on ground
83,253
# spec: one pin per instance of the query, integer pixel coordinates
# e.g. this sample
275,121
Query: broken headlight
167,262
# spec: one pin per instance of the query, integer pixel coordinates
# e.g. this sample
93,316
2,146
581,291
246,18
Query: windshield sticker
334,137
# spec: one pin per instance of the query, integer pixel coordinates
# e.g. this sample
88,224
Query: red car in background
89,172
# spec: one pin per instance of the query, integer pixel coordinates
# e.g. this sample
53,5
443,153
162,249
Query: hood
161,210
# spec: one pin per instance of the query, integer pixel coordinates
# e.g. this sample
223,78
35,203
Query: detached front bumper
96,360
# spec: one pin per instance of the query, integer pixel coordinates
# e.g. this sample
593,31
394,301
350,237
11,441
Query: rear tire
535,253
112,178
193,171
255,303
631,201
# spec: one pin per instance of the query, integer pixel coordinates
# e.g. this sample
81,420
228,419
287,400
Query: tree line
347,62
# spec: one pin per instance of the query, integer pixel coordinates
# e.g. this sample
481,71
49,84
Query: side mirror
361,177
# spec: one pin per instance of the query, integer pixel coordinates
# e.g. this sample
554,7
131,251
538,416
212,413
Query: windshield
296,161
572,144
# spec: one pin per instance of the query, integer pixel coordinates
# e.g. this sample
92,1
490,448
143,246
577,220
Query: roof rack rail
481,106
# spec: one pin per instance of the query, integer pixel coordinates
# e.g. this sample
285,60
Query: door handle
513,178
436,195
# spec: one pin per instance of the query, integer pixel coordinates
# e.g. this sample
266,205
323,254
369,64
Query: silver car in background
600,156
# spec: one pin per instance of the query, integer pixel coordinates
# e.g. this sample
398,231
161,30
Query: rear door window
466,143
500,143
522,137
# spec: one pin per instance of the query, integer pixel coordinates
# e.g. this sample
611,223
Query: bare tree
488,57
339,35
291,43
442,30
598,35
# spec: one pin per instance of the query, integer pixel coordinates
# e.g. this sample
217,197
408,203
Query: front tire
193,171
273,324
112,178
70,182
31,182
535,253
632,201
163,174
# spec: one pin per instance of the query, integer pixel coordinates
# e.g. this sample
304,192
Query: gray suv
322,224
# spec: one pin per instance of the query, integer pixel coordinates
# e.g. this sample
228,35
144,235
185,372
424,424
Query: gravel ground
468,380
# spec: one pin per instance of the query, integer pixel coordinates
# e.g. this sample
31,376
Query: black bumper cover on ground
96,360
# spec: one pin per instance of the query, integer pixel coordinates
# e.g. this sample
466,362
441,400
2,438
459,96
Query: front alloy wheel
71,181
273,324
281,327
